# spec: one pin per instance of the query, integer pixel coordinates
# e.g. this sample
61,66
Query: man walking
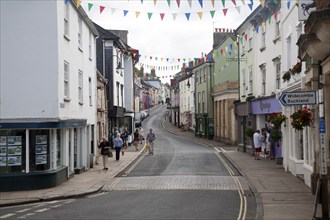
257,144
151,137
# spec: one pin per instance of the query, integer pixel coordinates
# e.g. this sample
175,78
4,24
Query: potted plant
249,132
286,76
301,118
296,68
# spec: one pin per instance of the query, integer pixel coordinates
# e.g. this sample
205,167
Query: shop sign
266,106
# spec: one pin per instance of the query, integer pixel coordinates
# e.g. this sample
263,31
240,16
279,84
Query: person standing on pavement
151,137
136,139
257,144
104,146
118,143
125,138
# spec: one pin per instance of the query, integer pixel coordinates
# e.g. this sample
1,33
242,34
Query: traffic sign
298,98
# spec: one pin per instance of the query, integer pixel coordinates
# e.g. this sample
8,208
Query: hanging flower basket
286,76
276,119
301,118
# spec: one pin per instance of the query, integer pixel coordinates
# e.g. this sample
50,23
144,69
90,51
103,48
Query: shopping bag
146,148
110,154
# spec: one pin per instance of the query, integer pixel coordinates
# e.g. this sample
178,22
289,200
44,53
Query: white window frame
250,89
80,24
66,81
90,52
67,21
204,110
80,87
278,74
263,79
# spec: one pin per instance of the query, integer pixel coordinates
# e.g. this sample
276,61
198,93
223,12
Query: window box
276,39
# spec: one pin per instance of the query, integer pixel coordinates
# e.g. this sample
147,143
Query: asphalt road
182,180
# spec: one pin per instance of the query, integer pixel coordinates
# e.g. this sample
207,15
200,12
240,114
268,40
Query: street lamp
188,84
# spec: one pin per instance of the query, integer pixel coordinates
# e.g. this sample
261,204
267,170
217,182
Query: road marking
133,166
42,210
26,215
24,210
7,215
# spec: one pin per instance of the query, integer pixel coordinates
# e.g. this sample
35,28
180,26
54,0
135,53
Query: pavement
279,194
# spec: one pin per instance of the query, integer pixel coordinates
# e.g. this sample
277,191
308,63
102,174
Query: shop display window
39,150
12,151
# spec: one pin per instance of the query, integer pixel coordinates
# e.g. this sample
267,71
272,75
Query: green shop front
41,155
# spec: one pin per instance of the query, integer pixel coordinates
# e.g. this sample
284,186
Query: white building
47,93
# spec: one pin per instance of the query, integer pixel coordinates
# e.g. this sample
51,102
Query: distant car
138,119
144,114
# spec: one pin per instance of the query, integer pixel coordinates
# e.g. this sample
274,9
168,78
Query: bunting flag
142,2
234,2
149,15
243,1
262,3
200,15
101,9
238,8
90,6
275,1
169,3
201,3
162,15
225,11
288,4
231,46
174,16
178,2
212,1
263,25
187,16
189,2
66,2
275,16
137,13
246,37
113,10
212,13
155,1
257,29
78,3
251,5
269,20
125,12
223,3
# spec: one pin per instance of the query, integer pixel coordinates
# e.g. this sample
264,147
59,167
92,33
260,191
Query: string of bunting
199,14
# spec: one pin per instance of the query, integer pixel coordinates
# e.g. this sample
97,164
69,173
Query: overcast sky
168,39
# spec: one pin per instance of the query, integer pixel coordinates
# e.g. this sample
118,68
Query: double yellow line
243,203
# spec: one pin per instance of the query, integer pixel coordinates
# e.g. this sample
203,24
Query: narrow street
182,180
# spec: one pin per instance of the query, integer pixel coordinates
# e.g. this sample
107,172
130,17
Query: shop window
39,150
12,151
59,148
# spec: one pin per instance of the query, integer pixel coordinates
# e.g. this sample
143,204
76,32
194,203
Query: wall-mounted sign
298,98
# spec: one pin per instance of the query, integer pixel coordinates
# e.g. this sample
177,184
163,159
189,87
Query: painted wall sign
266,106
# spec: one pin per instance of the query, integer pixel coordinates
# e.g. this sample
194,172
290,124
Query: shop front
262,108
43,154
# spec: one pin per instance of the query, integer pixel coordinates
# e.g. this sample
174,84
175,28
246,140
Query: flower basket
296,68
301,118
276,119
275,135
286,76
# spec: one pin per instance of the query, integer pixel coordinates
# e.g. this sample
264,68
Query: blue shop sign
266,106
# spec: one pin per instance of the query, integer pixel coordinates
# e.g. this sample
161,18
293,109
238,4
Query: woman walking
104,146
118,142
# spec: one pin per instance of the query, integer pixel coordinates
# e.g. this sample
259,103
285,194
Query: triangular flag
246,37
212,1
137,13
257,29
275,16
66,1
101,9
162,15
223,3
169,3
125,12
200,15
174,16
167,59
189,2
251,5
269,20
78,3
243,1
178,2
229,53
234,2
113,10
262,3
288,4
90,5
149,15
275,1
231,46
263,24
221,51
155,1
218,53
141,1
238,8
201,3
179,60
212,13
225,11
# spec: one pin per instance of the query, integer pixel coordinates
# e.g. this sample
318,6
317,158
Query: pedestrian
125,138
141,134
118,143
151,137
257,144
104,146
136,139
114,135
98,153
268,145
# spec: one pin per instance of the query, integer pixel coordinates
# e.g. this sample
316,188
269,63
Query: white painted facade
42,59
298,156
185,101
